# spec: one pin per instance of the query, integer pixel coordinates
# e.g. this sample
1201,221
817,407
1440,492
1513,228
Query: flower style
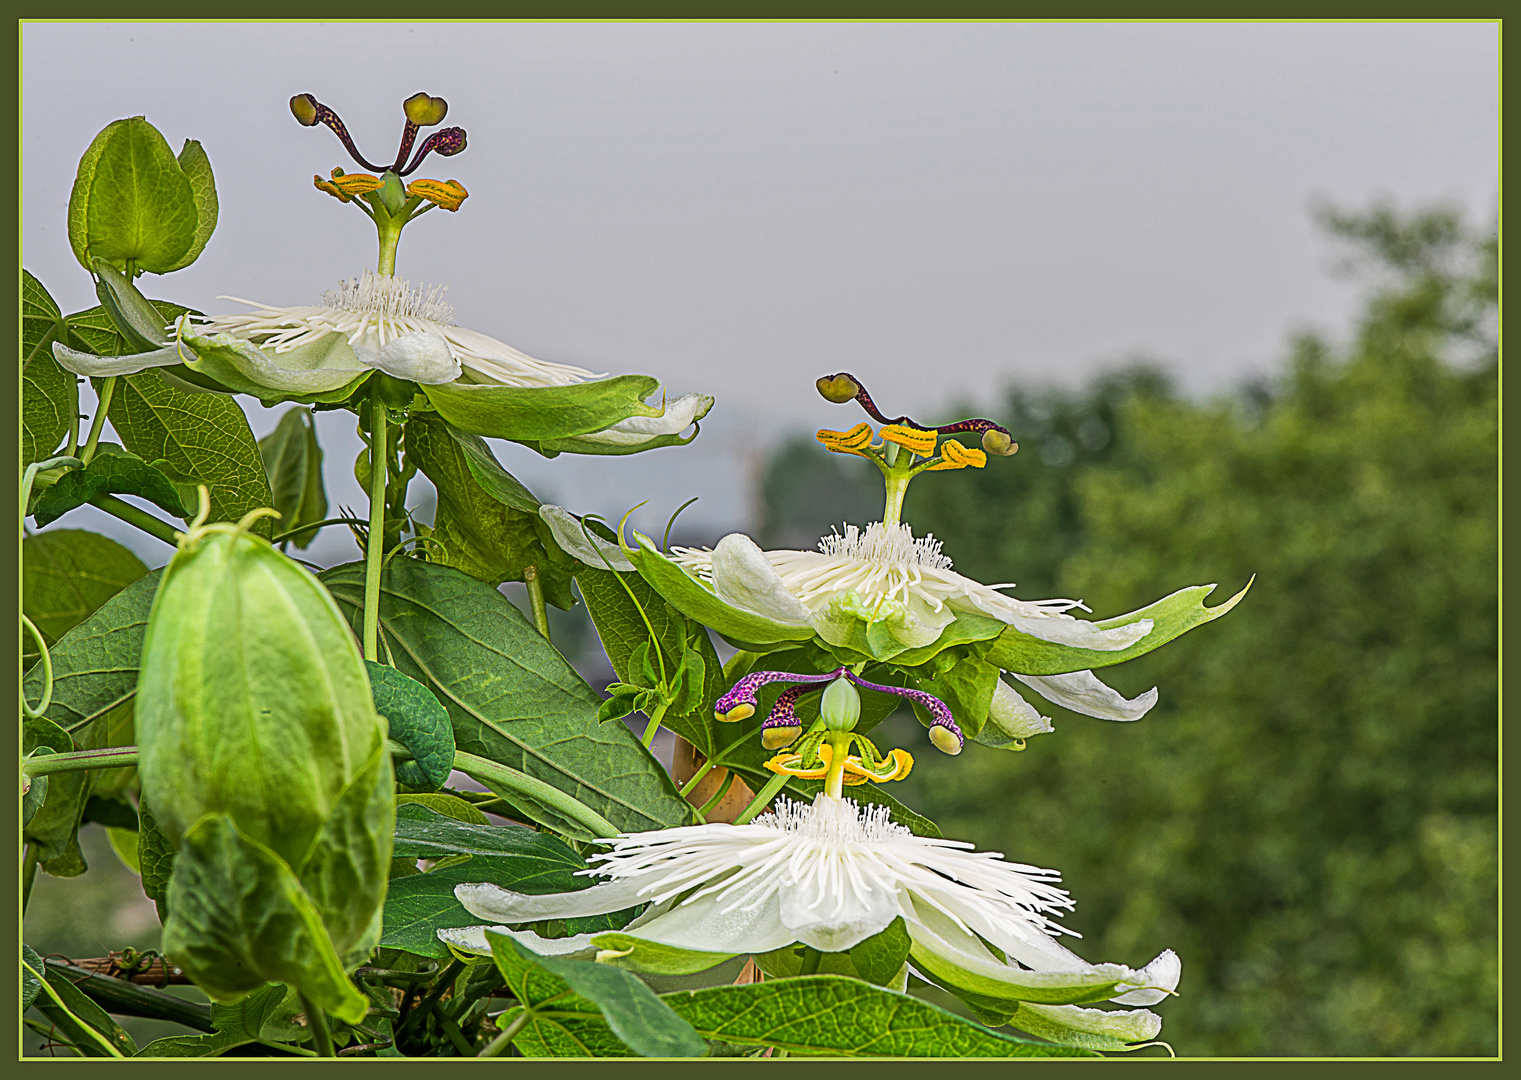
829,876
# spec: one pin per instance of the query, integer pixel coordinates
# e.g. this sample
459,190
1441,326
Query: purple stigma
939,712
321,114
978,426
784,712
743,692
446,143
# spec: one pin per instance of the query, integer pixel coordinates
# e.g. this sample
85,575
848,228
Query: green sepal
203,189
1171,616
535,414
552,448
880,958
293,462
135,318
654,957
322,371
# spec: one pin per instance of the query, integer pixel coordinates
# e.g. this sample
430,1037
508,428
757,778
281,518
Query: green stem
496,776
316,1023
116,757
811,958
499,1045
154,527
390,235
897,487
425,1005
775,784
29,860
536,599
99,421
834,779
282,537
654,725
690,785
723,789
375,540
129,999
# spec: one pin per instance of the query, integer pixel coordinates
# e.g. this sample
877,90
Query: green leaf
293,463
881,957
131,201
237,1024
112,471
966,688
640,1020
34,791
66,575
239,918
423,833
450,806
203,189
623,631
532,414
697,601
81,1006
54,826
201,435
124,843
80,1034
482,526
566,1034
155,859
49,394
511,697
834,1015
418,721
31,981
1172,615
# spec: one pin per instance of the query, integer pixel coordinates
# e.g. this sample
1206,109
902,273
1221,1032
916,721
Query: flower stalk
375,540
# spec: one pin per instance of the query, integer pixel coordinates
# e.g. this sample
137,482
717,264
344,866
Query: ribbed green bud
840,706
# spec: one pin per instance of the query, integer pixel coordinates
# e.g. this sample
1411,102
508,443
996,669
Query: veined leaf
66,575
49,394
112,471
418,721
237,1024
293,463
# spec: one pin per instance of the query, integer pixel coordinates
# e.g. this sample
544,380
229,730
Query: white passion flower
829,876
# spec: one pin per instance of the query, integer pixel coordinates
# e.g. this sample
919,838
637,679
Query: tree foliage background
1309,815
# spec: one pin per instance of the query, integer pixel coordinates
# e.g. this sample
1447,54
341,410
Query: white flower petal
678,416
486,901
706,924
81,363
584,545
1082,692
1160,976
835,919
744,577
422,356
472,939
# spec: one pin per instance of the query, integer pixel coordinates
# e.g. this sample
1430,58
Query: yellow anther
446,193
791,764
920,442
955,456
345,186
855,441
742,711
895,766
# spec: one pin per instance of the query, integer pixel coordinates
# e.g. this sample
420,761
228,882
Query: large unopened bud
266,767
840,706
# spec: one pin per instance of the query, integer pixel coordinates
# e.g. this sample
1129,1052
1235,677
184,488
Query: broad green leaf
49,394
619,624
112,471
85,1009
450,806
66,575
418,721
201,435
131,201
511,697
155,859
496,481
203,189
566,1034
80,1034
639,1019
833,1015
239,918
489,537
237,1024
532,414
345,870
293,463
1172,615
124,843
53,827
697,601
423,833
31,980
880,957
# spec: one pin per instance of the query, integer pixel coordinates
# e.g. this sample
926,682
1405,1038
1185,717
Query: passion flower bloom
829,876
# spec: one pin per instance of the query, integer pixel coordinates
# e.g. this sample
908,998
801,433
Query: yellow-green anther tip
742,711
425,111
998,442
304,108
944,740
777,738
839,389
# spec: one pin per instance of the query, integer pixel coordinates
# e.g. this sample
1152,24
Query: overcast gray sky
943,209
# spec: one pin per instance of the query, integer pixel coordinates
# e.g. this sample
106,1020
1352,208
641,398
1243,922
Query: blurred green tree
1309,816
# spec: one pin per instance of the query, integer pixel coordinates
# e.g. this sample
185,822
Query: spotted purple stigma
421,111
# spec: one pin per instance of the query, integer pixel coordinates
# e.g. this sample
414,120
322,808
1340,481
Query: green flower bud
840,706
266,765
